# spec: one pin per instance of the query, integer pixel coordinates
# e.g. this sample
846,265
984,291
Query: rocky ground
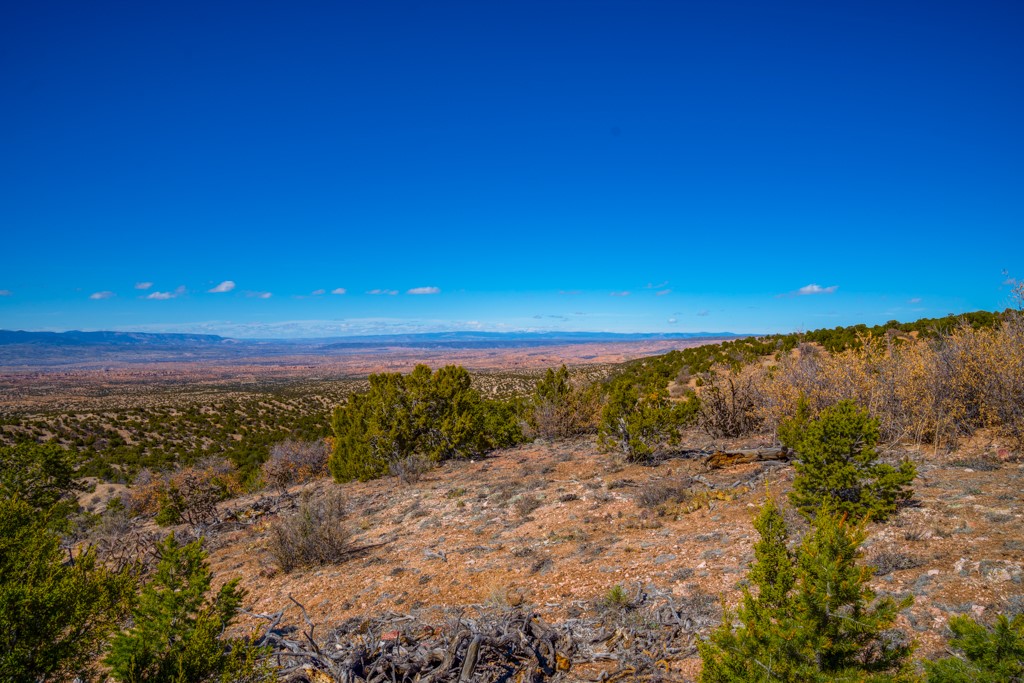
556,526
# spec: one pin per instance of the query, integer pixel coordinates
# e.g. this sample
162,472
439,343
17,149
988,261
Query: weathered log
721,459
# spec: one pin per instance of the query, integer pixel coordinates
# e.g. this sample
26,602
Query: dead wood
722,459
640,643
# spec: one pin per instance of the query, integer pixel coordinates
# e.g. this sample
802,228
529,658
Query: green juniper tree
841,622
635,422
759,648
447,413
838,466
177,635
438,415
813,619
56,609
989,655
42,475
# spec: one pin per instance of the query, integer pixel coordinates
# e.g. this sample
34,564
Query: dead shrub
185,496
978,464
524,505
314,535
560,408
119,544
655,493
143,498
190,498
294,462
551,419
411,469
727,405
888,561
925,391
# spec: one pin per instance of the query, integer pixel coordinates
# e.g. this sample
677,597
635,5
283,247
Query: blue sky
743,166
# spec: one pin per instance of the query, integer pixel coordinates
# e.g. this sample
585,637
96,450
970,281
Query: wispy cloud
97,296
225,286
389,292
816,289
673,321
808,290
651,285
619,294
163,296
143,285
318,292
6,292
569,292
703,314
915,300
424,290
339,290
663,292
259,295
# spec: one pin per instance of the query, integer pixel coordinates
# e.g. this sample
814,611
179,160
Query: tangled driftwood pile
637,641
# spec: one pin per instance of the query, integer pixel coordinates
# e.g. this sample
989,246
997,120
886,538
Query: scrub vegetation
124,589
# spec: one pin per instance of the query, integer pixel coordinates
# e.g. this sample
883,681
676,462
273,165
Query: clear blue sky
746,166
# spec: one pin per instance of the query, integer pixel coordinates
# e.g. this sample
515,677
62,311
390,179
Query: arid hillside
634,561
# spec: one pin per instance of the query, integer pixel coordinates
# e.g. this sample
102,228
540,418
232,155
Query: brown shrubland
922,391
295,462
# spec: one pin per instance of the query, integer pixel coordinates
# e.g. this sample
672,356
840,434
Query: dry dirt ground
554,526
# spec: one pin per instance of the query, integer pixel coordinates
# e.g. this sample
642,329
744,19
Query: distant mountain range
126,340
103,349
77,338
483,340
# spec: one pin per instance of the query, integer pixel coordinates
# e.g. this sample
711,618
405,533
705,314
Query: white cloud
225,286
619,294
143,285
814,289
96,296
163,296
389,292
6,292
673,321
318,292
338,290
651,285
663,292
915,300
424,290
259,295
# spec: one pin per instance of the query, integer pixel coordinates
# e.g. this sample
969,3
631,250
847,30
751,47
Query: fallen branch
722,459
